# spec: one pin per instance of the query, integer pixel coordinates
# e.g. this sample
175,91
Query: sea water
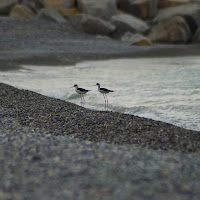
165,89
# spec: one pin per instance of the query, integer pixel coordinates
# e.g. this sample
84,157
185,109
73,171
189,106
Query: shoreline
49,114
157,51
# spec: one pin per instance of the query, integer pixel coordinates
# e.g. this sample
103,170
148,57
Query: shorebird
81,91
104,91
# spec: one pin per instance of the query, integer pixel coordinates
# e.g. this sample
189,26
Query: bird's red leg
107,101
83,99
83,102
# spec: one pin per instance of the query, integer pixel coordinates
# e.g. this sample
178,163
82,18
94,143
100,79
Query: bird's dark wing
106,90
83,90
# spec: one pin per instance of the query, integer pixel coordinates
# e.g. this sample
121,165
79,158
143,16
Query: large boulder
21,11
6,5
103,9
192,9
175,30
190,12
51,14
92,25
136,39
196,37
128,23
141,8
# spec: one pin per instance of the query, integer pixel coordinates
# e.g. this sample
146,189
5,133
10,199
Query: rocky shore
50,149
42,42
138,22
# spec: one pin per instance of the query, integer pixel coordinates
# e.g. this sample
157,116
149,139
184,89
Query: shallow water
166,89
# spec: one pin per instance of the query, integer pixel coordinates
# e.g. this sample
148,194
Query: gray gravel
35,164
49,149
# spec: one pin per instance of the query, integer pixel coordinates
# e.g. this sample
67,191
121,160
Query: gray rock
104,9
92,25
141,8
152,8
136,39
6,5
68,3
34,5
21,11
175,30
63,3
192,9
51,14
196,37
125,22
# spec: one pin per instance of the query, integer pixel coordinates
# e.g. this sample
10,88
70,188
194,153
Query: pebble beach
50,149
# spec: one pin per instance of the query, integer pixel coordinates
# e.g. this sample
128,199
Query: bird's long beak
72,87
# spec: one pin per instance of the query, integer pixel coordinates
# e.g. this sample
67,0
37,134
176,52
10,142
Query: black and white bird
81,91
104,91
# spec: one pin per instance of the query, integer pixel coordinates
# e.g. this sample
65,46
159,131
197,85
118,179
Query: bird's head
98,84
75,85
